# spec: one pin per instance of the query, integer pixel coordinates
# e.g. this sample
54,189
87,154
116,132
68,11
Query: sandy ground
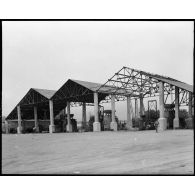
143,152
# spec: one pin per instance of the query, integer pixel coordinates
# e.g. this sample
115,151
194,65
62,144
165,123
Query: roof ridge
156,75
85,81
43,89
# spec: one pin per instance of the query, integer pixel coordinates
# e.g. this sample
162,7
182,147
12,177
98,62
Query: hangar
39,108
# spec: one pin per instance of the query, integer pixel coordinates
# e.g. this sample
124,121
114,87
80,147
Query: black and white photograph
97,97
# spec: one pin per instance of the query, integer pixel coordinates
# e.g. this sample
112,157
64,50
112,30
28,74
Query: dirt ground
143,152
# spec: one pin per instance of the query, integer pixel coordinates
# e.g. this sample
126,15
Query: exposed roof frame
137,82
32,97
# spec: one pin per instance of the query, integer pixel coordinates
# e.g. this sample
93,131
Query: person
156,125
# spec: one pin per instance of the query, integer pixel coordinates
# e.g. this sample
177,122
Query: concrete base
19,130
84,125
69,128
162,124
51,128
141,124
176,123
6,129
96,126
36,129
189,123
113,125
129,126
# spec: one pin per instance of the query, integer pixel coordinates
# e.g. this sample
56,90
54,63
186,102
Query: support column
113,124
51,126
162,120
64,121
129,117
136,109
84,121
36,120
190,105
64,111
141,113
189,120
176,119
69,125
19,128
6,127
96,124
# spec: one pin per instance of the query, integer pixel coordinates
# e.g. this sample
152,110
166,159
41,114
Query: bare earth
143,152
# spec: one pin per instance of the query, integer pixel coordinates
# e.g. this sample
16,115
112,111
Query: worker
156,123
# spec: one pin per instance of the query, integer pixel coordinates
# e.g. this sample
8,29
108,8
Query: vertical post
136,113
176,119
129,118
64,121
189,120
69,125
51,126
96,124
84,116
64,111
190,105
135,108
113,124
141,113
6,127
36,119
19,128
141,105
162,120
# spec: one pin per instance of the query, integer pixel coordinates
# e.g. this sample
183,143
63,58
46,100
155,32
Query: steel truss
136,83
76,104
32,97
132,82
71,90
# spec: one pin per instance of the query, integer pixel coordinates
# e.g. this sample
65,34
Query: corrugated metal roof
106,88
176,83
95,86
89,85
167,79
45,92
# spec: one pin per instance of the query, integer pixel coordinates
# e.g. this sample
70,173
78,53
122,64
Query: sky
45,54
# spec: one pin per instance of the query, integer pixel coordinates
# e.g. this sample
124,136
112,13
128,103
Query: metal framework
133,83
71,90
126,82
32,97
136,83
74,92
77,104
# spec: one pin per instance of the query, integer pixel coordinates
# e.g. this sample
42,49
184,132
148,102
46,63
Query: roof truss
138,83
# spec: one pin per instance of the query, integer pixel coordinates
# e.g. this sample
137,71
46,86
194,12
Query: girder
135,82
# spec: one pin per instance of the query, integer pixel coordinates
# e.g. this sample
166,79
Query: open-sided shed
40,104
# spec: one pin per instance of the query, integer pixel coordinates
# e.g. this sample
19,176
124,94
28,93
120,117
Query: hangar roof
167,79
38,97
72,90
45,92
78,91
130,82
138,82
176,83
89,85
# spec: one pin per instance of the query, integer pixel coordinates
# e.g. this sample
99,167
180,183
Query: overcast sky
46,54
